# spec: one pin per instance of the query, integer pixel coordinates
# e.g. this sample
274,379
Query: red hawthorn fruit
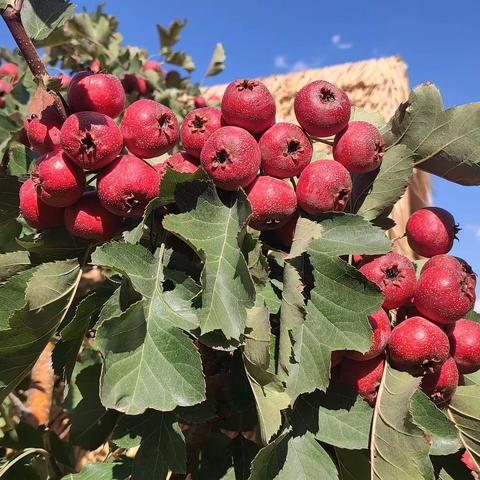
286,150
127,185
136,83
96,92
5,89
465,345
152,65
447,261
365,377
200,102
197,126
336,358
469,462
395,275
322,109
285,234
92,140
248,104
9,70
149,128
441,385
359,147
273,203
324,186
381,330
36,213
180,162
231,157
444,294
431,231
44,132
59,182
418,346
88,219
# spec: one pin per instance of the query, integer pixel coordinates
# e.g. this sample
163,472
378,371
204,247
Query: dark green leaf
353,464
20,160
12,263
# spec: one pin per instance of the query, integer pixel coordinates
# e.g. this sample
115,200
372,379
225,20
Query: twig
322,140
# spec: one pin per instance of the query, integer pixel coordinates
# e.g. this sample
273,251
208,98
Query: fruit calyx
246,85
197,124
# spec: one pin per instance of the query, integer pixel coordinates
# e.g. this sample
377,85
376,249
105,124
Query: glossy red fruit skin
286,150
431,231
323,186
469,462
448,261
135,83
180,162
88,219
418,346
92,140
149,128
9,70
59,182
96,92
248,104
44,132
441,385
273,203
444,294
231,157
465,345
322,109
365,377
36,213
359,147
395,275
127,185
381,330
197,126
5,89
200,102
152,65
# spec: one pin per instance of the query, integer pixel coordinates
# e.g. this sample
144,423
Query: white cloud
337,42
280,61
477,306
299,65
475,229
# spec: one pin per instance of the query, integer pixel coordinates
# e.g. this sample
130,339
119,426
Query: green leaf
171,35
20,160
338,417
100,471
46,300
215,227
148,361
399,449
337,319
180,59
217,62
375,194
353,464
40,19
435,423
289,457
9,188
12,263
362,115
445,142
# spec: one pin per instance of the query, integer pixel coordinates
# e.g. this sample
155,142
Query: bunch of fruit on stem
241,146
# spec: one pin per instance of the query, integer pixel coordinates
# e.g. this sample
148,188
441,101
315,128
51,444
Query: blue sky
438,40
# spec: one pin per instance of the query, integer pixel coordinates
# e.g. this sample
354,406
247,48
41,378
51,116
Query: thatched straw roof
377,85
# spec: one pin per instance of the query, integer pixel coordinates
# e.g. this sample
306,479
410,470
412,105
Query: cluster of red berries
8,79
430,338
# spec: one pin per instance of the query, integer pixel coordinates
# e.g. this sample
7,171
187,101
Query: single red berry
152,65
149,128
180,162
88,219
273,203
444,294
44,131
127,185
9,70
286,150
441,385
197,126
467,459
285,234
248,104
418,346
231,157
92,140
200,102
395,275
36,213
431,231
465,345
381,329
365,377
96,92
322,109
135,83
448,261
336,358
359,147
59,181
5,89
324,186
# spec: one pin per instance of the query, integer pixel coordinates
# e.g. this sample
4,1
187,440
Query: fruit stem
11,16
321,140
